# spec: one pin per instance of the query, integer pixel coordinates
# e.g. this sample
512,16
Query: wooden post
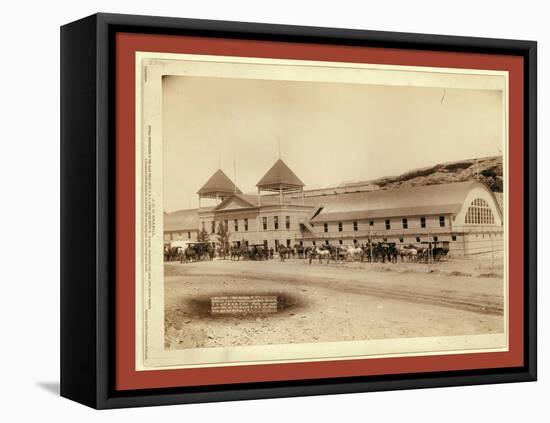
370,244
429,246
259,197
492,253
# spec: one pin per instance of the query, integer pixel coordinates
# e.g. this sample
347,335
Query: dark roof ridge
280,174
219,182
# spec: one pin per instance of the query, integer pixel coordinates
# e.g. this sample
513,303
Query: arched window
479,213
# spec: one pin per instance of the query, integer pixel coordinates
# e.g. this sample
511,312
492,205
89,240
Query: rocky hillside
486,169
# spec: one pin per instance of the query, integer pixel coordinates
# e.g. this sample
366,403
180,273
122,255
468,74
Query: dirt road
336,302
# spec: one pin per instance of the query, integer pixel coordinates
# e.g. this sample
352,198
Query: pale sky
329,132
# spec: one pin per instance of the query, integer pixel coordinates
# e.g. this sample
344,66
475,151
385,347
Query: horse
211,253
339,253
308,253
423,255
300,250
283,252
235,253
393,253
167,253
311,253
383,251
354,253
367,253
324,253
189,255
377,252
253,253
408,252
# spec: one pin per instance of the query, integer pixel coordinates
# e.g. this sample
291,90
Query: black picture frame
87,209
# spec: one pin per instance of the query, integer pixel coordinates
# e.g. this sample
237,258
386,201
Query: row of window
245,224
479,213
401,239
404,221
275,222
226,224
174,235
418,239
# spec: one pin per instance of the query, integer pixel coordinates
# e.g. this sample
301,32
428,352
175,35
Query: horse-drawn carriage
440,250
433,251
327,252
174,249
238,250
427,252
197,251
256,252
383,252
380,252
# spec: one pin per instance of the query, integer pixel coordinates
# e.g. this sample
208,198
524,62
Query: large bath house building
464,216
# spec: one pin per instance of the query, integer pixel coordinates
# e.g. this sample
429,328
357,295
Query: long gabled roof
219,183
409,201
181,220
280,175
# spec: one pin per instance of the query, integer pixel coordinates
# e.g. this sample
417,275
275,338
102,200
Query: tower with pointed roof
218,187
280,179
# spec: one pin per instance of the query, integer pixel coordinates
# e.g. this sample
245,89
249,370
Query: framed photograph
257,211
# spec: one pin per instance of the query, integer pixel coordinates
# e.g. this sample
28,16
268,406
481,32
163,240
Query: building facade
463,216
253,221
182,225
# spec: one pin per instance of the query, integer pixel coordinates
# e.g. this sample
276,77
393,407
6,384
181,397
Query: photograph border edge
91,221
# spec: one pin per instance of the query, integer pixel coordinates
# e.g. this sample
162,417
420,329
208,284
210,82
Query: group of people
368,252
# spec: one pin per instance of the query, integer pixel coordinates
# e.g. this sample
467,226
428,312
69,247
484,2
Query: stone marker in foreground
244,304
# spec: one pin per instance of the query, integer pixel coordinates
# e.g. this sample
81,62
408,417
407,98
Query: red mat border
128,378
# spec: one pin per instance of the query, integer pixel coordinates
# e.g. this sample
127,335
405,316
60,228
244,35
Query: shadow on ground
50,387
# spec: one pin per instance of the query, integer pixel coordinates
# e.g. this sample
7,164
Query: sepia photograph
263,210
307,211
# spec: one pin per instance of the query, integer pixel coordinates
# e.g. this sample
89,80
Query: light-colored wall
479,191
282,234
185,235
364,229
463,244
255,232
